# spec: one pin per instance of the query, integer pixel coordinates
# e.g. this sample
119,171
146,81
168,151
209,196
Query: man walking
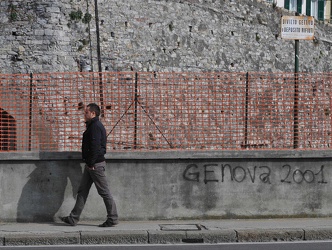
93,151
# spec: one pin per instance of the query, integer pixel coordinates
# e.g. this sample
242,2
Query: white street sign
297,27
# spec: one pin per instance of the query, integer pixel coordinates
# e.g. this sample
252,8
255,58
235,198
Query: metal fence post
135,114
246,112
296,112
30,111
296,98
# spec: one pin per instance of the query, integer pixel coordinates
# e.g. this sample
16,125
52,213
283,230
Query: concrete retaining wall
169,185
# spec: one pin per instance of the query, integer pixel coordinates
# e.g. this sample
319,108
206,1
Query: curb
29,239
164,237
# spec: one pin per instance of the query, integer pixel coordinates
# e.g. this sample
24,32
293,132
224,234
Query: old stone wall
150,35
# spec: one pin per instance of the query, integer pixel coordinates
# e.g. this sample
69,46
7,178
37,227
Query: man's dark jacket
94,142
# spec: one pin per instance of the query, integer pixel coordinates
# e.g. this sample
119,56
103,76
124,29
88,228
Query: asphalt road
312,245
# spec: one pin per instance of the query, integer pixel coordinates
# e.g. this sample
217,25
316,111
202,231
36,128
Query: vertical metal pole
246,112
296,97
135,114
90,42
98,35
30,112
99,61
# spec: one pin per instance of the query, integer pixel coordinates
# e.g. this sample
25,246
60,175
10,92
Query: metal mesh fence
167,111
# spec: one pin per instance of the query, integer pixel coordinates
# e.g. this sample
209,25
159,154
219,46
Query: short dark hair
94,108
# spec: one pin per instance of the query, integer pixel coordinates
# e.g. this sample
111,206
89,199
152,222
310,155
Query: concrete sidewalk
167,232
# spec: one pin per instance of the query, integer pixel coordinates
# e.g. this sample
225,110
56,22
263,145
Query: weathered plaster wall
151,35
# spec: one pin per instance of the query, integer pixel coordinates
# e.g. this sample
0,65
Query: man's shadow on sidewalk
44,193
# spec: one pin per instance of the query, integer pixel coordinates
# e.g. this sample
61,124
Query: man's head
92,110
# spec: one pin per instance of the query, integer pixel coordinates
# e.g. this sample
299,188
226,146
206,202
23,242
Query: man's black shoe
108,223
68,220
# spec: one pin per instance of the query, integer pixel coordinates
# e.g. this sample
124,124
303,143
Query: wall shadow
43,194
